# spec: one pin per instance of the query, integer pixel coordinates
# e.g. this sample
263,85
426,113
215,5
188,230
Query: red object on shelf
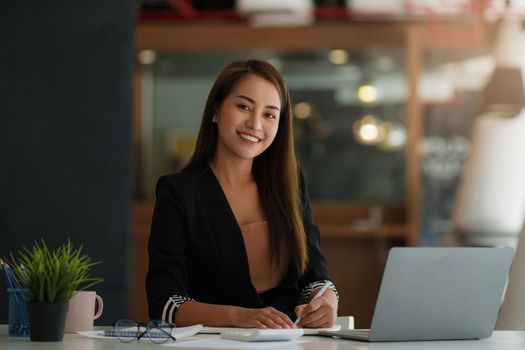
189,16
184,11
338,12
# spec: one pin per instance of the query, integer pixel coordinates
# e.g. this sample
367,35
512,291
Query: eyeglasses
127,331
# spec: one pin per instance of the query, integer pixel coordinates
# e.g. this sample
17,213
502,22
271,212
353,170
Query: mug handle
98,300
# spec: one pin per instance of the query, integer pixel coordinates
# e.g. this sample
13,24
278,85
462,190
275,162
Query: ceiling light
395,136
367,93
302,110
338,56
147,56
368,130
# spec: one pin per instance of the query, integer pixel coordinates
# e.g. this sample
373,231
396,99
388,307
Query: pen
317,295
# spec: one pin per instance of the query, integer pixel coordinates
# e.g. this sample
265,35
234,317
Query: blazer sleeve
167,248
317,270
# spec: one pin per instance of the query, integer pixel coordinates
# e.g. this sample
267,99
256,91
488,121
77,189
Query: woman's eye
243,107
271,115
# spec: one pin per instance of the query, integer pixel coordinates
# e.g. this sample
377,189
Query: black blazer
196,249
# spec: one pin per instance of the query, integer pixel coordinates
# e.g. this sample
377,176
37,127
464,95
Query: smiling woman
232,240
248,119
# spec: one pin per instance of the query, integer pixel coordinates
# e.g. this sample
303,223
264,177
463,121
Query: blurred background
407,117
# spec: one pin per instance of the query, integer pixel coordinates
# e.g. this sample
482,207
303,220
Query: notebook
437,294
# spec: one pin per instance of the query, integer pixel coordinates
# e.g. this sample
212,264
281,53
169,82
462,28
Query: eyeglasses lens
127,330
159,331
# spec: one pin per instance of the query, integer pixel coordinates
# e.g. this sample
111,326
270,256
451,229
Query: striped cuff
173,303
310,287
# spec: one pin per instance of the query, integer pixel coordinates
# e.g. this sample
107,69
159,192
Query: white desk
501,340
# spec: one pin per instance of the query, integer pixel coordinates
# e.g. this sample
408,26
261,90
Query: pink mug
81,313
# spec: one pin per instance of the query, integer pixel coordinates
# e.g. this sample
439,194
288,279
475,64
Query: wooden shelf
223,36
179,36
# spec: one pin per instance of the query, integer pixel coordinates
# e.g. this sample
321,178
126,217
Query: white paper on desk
307,331
95,335
219,343
177,332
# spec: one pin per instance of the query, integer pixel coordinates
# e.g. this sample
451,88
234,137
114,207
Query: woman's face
248,118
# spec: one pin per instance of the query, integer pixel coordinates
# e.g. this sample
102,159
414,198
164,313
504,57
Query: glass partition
348,111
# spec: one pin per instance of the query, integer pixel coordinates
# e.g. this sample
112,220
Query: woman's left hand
320,312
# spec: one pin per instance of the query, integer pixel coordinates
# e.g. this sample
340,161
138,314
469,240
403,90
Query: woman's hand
320,312
267,317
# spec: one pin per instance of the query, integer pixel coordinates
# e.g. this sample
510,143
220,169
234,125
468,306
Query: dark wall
65,117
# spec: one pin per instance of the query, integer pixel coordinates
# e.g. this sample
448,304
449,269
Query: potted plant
51,277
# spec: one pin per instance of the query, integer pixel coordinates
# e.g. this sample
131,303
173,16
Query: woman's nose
254,122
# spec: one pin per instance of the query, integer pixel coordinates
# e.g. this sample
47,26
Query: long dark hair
275,170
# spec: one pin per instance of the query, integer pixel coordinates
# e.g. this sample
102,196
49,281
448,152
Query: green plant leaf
52,276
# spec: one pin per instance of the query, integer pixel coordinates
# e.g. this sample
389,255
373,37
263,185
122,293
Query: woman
232,239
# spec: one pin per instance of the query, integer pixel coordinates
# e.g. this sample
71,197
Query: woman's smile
248,137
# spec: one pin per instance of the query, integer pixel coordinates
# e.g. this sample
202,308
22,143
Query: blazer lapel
230,243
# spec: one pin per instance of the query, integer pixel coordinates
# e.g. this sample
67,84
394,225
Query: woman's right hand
267,317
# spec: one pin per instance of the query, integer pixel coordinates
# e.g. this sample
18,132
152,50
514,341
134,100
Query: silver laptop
437,294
